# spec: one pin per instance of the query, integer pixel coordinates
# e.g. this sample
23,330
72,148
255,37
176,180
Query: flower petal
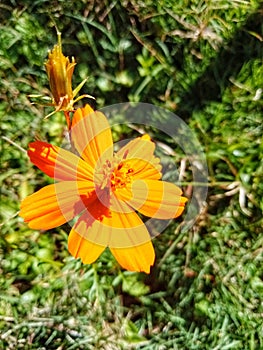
141,148
125,234
80,247
112,228
126,228
145,169
91,135
59,163
55,204
139,258
139,153
157,199
86,240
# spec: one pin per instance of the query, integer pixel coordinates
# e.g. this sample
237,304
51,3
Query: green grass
201,60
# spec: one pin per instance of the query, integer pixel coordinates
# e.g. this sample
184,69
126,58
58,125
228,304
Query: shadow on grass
245,45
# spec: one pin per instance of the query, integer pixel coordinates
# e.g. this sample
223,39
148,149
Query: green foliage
203,61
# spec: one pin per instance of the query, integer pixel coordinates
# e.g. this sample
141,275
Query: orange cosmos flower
104,189
60,70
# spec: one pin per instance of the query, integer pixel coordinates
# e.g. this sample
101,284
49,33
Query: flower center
121,176
114,174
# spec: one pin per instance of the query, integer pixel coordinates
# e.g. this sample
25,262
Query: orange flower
104,189
60,70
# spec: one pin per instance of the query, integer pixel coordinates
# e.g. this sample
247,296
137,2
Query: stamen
121,176
114,174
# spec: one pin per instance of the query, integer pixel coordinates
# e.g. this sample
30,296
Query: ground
200,60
